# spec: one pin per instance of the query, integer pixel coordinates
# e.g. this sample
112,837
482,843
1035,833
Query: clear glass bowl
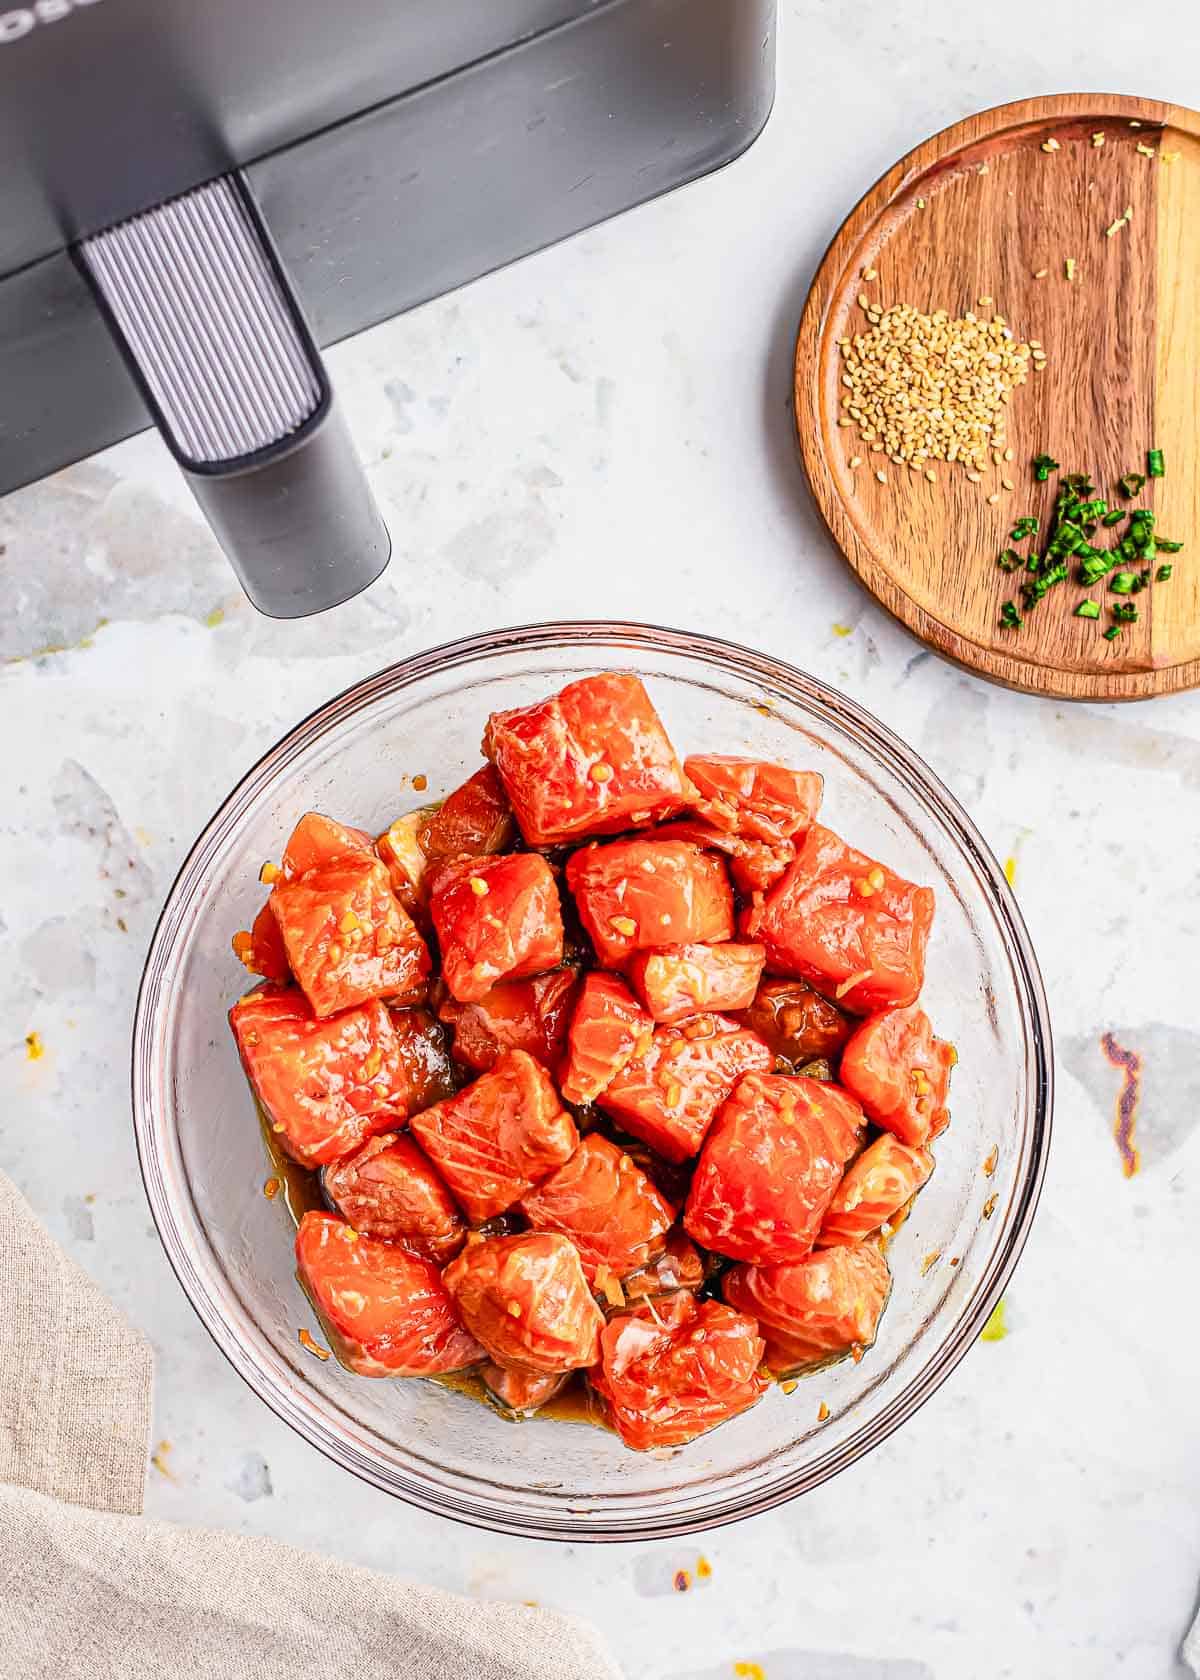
204,1162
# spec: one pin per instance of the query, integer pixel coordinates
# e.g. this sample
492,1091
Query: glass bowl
204,1160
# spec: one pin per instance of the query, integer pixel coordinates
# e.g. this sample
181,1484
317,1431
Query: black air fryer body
376,153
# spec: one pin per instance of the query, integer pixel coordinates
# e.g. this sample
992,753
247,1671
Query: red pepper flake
749,1671
790,1386
271,1189
420,783
703,1568
314,1348
954,1259
856,1353
1127,1103
989,1165
822,1412
682,1581
989,1207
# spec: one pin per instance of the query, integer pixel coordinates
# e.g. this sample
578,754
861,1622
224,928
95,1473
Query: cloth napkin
91,1590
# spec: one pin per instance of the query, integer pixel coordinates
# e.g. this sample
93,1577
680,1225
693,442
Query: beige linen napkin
89,1590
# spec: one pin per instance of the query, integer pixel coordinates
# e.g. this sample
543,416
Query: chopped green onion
1155,466
1132,484
1010,618
1123,583
1043,466
1032,593
1094,510
1026,527
1087,609
1165,546
1009,560
1113,631
1163,573
1125,612
1080,483
1093,569
1114,516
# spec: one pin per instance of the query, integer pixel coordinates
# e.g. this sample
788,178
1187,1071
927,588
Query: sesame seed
856,460
1098,138
1051,145
931,475
927,388
1040,273
1007,483
478,886
870,274
1069,268
994,497
1146,151
982,170
920,204
624,925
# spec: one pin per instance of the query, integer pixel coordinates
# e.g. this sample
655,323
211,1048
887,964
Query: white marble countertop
602,430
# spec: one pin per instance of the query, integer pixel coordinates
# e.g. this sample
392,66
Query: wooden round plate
980,211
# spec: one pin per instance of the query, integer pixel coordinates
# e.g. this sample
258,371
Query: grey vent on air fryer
208,324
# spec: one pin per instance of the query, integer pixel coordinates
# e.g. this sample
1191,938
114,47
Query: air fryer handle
198,301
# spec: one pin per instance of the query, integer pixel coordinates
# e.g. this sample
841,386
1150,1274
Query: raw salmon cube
770,1166
497,919
766,802
813,1310
593,759
317,840
683,980
877,1185
846,924
421,1046
261,949
606,1205
521,1393
347,938
386,1312
754,865
475,820
796,1022
389,1190
669,1094
900,1073
525,1298
637,893
324,1086
498,1137
679,1266
673,1369
608,1028
527,1015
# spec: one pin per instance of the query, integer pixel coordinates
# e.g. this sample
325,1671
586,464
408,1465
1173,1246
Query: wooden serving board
976,212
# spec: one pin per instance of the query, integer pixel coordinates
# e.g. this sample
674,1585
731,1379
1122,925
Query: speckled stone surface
603,430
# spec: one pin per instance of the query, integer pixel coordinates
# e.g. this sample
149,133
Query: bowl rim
747,663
